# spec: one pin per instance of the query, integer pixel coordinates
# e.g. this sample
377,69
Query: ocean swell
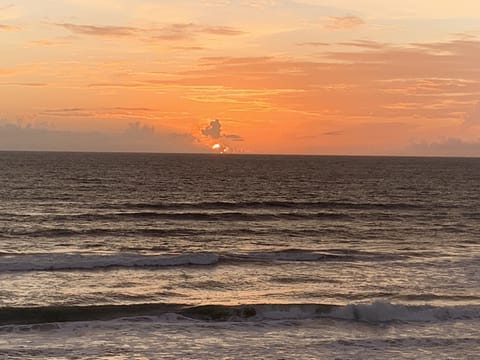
41,262
92,261
377,312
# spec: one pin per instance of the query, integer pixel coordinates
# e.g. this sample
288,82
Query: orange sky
266,76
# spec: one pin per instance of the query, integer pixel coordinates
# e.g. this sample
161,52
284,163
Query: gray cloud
136,137
213,130
447,147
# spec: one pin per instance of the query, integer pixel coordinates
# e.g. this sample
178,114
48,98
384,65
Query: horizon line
243,154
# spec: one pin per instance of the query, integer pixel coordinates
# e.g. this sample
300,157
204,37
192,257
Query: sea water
149,256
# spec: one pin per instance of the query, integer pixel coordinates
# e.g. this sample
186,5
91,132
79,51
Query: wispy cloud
365,44
18,69
6,7
4,27
27,84
313,43
427,87
93,30
342,22
53,42
333,133
170,32
119,113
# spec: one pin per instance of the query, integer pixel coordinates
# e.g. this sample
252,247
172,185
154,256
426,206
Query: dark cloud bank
446,147
136,138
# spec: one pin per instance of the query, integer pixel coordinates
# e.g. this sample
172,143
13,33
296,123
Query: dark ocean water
158,246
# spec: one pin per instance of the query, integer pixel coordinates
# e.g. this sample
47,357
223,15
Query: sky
370,77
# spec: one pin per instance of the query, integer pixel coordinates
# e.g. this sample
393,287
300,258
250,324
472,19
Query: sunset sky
265,76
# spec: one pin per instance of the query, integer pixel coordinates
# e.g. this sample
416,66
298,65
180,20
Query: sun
220,148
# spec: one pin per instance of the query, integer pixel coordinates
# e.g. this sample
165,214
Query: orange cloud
313,43
169,32
427,88
93,30
342,22
8,27
331,101
52,42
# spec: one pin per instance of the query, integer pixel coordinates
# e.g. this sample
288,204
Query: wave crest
377,312
41,262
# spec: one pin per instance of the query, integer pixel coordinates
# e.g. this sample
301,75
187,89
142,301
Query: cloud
93,30
447,147
93,114
26,84
8,27
213,130
429,81
170,32
17,69
233,137
342,22
189,31
6,7
139,129
473,118
333,133
313,43
137,137
53,42
365,44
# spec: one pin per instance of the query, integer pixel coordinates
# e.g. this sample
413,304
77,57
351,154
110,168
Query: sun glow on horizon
124,76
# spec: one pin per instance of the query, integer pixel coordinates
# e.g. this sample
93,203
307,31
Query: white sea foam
267,340
32,262
369,312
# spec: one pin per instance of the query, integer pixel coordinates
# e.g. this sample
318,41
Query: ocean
156,256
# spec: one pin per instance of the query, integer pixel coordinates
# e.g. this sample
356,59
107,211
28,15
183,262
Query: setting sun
239,179
278,76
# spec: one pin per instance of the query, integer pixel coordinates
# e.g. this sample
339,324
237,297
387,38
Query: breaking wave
92,261
377,312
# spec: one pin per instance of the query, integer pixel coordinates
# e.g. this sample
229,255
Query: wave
308,255
202,216
267,204
92,261
180,231
68,232
377,312
44,262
